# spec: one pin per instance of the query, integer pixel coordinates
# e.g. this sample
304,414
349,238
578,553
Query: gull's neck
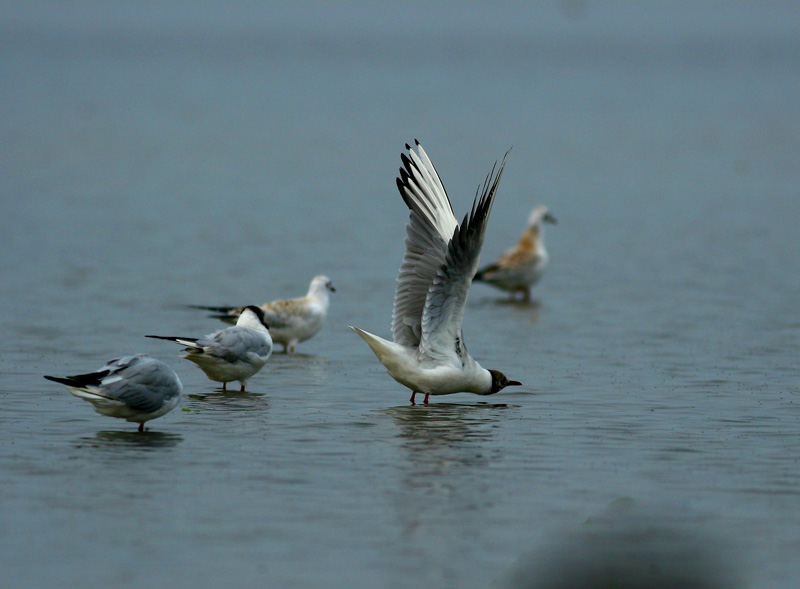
318,292
532,239
483,380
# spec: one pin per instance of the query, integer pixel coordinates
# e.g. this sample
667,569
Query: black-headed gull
290,321
136,388
428,354
233,353
521,266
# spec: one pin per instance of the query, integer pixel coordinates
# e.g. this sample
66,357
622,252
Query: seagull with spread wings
428,354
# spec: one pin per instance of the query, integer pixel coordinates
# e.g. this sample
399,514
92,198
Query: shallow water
164,156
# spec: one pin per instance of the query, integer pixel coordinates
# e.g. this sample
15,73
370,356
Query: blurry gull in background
136,388
521,266
428,354
233,353
290,320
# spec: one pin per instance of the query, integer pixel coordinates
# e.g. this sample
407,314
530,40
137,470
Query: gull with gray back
135,388
233,353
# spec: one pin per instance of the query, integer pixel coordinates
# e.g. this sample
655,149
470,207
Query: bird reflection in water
444,438
441,496
529,310
220,400
301,369
143,441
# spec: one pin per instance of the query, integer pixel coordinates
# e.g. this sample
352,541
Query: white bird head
252,316
320,284
541,214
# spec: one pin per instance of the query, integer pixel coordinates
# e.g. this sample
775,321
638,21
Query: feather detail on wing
447,296
430,227
140,382
146,385
286,313
235,344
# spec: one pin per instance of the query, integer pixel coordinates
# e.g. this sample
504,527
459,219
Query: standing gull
291,321
136,388
521,266
428,354
233,353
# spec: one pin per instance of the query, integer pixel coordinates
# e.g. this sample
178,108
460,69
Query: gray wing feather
446,299
141,382
431,224
235,344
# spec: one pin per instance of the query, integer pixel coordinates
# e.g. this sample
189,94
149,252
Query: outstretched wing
431,225
446,298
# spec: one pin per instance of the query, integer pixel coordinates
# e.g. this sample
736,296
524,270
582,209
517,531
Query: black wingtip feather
408,165
403,187
173,339
412,178
401,183
214,309
59,380
475,221
80,380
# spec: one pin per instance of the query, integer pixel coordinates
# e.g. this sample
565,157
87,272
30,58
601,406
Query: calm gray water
158,156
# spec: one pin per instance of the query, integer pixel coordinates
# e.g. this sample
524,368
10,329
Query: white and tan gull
522,265
290,321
